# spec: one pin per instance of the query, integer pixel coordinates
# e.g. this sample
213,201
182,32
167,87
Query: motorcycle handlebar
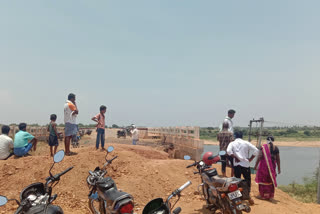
19,210
191,165
188,183
110,161
57,176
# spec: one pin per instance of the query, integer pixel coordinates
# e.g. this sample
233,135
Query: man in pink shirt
101,123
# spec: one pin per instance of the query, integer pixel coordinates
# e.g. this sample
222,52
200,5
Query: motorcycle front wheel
97,206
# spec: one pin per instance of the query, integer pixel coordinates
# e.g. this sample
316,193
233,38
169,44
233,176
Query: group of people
238,158
22,144
24,141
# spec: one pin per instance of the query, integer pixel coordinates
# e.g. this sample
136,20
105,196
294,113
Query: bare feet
251,201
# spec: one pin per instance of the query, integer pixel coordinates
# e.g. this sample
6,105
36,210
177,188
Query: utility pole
318,193
261,121
250,127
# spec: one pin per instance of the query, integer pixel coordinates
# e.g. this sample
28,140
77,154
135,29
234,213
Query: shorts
53,141
23,150
70,129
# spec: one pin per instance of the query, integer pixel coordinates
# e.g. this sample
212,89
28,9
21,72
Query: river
296,162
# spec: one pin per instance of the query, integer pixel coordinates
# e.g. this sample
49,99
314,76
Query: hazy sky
161,63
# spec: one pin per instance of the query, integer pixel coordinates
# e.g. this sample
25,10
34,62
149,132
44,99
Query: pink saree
266,174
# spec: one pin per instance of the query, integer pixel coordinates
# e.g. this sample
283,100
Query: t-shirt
21,139
6,144
101,121
135,134
229,121
69,108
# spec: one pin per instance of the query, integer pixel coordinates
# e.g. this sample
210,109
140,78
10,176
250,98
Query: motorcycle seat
113,194
105,184
221,181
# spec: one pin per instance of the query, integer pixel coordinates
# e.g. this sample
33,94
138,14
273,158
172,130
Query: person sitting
6,144
24,141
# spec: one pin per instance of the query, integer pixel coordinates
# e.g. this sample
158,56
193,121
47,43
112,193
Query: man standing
225,137
239,149
6,144
135,135
70,116
228,119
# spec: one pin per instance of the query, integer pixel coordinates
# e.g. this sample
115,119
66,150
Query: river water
296,162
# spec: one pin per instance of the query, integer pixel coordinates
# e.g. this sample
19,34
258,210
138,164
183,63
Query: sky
161,63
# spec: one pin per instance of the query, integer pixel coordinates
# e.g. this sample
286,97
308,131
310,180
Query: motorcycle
225,194
158,206
37,198
104,197
122,133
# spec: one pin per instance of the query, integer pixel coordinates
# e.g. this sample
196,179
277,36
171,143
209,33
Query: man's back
6,144
241,149
22,138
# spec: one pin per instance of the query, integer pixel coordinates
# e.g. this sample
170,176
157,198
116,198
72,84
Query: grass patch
306,192
280,133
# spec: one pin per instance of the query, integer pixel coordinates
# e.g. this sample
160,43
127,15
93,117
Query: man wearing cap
228,119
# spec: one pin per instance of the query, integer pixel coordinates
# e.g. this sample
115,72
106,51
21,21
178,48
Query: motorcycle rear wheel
97,206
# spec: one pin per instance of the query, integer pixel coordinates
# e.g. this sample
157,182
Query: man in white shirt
6,144
239,149
70,115
135,135
228,120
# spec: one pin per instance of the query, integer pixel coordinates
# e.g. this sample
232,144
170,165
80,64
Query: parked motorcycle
36,198
122,133
104,197
225,194
158,206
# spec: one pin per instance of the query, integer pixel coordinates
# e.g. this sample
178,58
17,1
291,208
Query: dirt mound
144,172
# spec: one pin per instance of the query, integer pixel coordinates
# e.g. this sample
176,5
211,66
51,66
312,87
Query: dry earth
144,172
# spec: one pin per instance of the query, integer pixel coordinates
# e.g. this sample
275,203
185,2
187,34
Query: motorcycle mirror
3,200
110,149
177,210
58,157
187,157
222,153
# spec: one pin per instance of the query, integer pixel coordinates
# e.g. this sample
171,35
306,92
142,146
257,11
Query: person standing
228,119
268,159
70,115
135,135
101,124
225,137
239,149
6,143
53,134
23,141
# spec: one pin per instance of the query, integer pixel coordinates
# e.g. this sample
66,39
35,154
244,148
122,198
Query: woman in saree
267,161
